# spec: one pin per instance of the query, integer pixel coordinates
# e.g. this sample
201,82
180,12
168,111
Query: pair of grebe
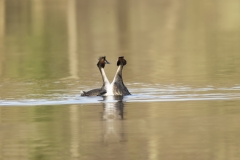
117,86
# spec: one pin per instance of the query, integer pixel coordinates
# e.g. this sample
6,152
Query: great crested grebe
117,86
99,91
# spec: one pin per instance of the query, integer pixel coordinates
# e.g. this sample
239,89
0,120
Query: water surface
182,70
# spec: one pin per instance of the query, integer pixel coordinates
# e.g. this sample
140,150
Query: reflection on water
112,115
167,130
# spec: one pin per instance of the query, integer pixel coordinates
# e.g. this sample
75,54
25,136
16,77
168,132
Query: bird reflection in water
112,119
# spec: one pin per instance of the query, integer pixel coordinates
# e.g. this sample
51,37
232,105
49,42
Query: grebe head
102,61
121,61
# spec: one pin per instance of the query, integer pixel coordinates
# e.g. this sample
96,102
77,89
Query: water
182,70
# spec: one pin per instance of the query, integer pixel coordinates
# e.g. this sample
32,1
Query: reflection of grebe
99,91
112,116
113,108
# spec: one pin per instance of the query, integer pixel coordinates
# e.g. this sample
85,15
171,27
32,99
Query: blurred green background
164,41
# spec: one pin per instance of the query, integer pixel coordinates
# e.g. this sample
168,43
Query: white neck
118,70
105,79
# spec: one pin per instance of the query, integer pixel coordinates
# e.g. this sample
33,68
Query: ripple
147,93
131,98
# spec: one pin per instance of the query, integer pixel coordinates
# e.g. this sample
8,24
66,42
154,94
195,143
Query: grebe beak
106,62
